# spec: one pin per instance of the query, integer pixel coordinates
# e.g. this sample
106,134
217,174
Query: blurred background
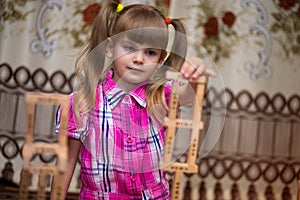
253,45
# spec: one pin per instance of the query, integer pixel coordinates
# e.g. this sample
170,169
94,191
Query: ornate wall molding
41,44
261,67
38,80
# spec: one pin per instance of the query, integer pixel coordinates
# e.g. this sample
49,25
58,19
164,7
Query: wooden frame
31,148
195,125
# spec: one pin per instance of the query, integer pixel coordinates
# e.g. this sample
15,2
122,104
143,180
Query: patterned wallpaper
242,37
219,23
286,27
254,43
76,25
53,30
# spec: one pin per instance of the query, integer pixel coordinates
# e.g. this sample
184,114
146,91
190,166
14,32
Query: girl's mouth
135,69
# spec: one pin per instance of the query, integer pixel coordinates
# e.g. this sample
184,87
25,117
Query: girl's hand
194,68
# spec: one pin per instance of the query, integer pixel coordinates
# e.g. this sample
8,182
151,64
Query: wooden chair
31,148
172,123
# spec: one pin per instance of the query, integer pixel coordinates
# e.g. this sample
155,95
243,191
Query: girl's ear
163,57
109,48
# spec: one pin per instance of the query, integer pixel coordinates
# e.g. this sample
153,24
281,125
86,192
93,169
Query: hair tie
119,8
168,20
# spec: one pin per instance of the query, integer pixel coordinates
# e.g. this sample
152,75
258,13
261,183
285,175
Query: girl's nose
138,57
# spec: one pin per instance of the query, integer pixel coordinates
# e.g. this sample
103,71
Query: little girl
114,114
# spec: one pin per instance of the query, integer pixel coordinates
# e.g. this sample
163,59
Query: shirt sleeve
74,130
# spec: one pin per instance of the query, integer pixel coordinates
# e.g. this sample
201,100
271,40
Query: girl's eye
129,48
151,53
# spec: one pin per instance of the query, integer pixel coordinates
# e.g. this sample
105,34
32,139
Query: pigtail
102,23
89,66
155,90
179,47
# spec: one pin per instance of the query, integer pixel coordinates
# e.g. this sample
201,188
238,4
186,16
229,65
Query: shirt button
127,99
132,178
129,139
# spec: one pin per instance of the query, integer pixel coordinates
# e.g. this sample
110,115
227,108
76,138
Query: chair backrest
31,148
172,123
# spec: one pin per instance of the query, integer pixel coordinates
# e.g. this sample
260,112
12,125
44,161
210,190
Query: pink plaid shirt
122,146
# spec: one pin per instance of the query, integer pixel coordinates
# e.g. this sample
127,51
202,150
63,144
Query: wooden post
31,148
172,123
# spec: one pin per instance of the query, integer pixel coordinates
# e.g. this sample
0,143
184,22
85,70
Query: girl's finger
209,72
186,69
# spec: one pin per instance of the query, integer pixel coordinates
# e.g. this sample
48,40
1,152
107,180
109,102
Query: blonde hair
89,67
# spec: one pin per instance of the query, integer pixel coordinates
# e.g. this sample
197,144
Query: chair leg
23,191
298,198
41,193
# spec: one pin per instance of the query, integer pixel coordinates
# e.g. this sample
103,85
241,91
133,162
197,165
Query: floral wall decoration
286,27
90,13
12,11
217,24
218,27
89,9
163,6
222,28
76,25
84,13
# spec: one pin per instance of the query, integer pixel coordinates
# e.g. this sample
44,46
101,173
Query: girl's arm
74,146
192,68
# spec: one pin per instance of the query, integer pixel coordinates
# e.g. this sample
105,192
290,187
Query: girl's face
133,63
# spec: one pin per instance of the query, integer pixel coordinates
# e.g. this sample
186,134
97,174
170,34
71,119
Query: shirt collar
115,95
